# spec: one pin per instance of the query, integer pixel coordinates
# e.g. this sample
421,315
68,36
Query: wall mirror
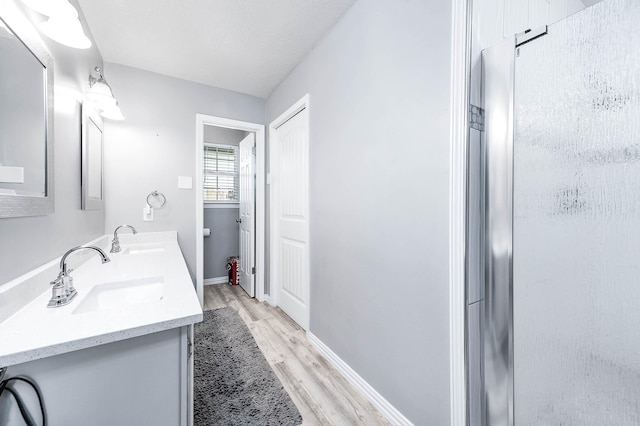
26,119
92,150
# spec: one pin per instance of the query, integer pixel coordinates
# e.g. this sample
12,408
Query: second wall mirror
92,162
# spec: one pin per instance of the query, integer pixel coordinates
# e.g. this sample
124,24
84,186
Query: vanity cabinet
137,381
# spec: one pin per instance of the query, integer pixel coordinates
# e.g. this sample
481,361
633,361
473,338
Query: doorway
563,178
218,199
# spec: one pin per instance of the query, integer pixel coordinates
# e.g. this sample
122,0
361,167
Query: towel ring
157,194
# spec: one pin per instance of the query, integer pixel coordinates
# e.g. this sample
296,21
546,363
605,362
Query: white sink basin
122,294
142,249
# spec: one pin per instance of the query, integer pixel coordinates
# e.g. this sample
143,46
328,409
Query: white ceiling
244,45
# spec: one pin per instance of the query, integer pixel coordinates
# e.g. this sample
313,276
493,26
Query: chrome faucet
63,291
115,244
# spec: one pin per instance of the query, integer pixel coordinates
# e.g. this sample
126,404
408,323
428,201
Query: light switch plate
185,182
11,174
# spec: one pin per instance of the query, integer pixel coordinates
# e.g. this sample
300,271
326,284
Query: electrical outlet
147,214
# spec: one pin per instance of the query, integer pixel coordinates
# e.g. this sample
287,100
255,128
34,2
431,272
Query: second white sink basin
122,294
142,249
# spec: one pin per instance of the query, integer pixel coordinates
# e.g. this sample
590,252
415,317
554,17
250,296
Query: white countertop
36,331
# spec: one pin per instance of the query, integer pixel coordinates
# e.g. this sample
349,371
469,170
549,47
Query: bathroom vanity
120,352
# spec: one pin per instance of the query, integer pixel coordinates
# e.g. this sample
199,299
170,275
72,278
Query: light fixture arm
100,79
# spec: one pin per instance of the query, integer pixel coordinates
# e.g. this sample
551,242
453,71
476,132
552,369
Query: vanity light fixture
100,92
101,95
63,24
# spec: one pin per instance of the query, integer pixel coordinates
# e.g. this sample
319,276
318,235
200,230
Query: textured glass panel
576,252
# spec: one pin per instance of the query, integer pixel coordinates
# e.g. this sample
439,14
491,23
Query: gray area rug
233,383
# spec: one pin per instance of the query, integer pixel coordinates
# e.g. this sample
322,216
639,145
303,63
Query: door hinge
253,270
189,348
476,117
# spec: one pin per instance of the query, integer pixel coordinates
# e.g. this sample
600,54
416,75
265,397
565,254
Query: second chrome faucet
115,244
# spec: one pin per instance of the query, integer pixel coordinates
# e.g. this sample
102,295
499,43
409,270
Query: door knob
238,220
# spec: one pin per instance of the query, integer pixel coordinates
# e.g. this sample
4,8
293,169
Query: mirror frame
89,117
25,205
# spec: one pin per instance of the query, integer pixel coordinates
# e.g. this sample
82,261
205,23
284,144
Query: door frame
274,288
259,130
458,206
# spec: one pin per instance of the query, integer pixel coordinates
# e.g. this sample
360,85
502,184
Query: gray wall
215,134
379,94
156,143
29,242
224,240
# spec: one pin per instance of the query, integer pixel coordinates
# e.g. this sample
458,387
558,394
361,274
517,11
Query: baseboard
217,280
386,409
266,298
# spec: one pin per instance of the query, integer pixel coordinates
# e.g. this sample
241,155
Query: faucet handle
59,279
64,273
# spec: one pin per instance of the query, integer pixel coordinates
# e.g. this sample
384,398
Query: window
221,173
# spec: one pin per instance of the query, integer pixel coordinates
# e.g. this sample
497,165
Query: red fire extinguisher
232,267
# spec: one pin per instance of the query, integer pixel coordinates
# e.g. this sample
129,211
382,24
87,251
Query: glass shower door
576,221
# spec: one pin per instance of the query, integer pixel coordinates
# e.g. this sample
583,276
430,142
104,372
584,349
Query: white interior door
290,169
247,215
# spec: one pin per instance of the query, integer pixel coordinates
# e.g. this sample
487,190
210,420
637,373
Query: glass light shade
112,112
100,94
64,26
50,7
66,30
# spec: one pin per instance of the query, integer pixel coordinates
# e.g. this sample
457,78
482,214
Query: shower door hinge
530,35
189,348
253,270
476,117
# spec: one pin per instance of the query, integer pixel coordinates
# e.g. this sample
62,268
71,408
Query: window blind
221,173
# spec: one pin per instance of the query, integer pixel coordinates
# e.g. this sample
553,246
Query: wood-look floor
322,394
